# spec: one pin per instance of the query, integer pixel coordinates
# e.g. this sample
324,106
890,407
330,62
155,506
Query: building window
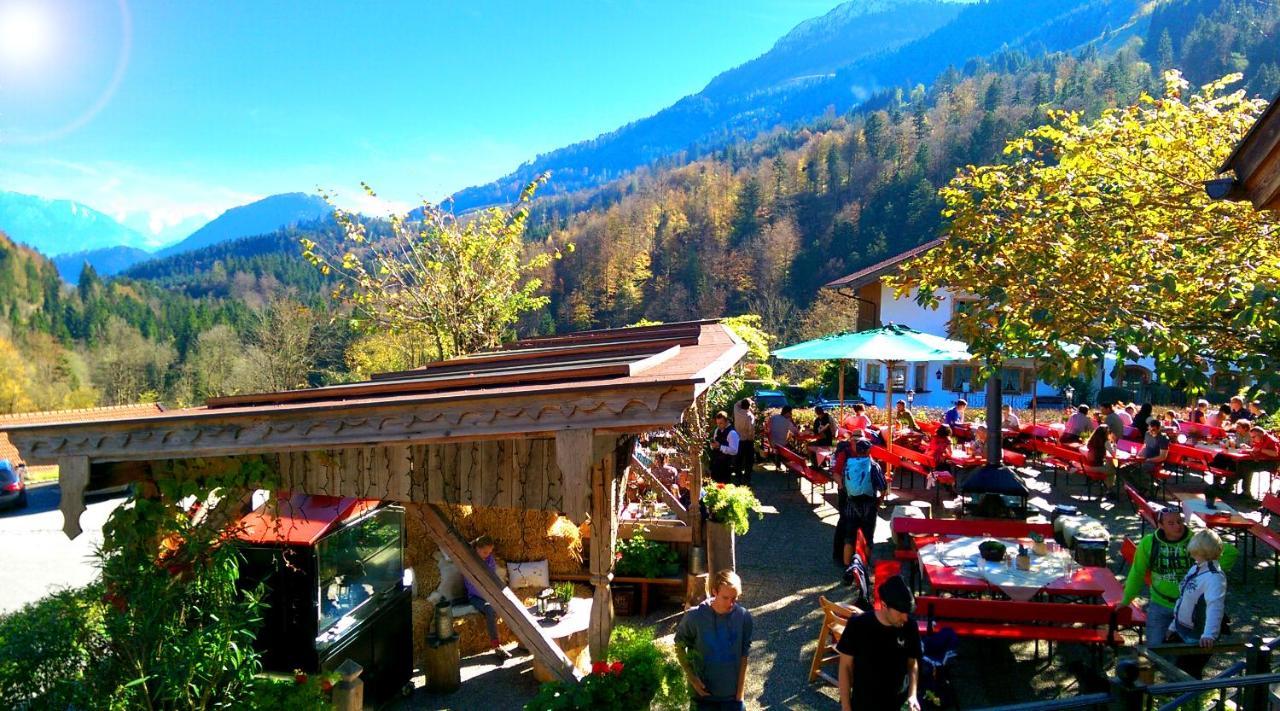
921,381
873,377
898,377
958,378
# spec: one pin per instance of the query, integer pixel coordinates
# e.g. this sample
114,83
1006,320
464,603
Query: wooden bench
1268,536
796,463
1146,513
915,462
643,583
1021,621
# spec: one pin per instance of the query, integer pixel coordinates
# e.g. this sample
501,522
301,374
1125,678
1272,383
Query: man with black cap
880,653
864,483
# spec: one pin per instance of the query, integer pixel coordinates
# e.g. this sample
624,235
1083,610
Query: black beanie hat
862,446
897,596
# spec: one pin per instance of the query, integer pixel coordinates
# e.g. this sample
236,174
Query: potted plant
728,509
637,673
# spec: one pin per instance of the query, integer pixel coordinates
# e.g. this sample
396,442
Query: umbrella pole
1035,387
840,410
888,399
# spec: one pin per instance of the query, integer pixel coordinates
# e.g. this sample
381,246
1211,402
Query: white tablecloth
962,555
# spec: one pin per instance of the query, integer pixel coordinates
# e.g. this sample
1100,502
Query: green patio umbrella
890,344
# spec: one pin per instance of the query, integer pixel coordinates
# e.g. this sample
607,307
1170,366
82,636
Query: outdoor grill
994,492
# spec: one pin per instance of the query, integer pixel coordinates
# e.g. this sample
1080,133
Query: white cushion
534,574
450,587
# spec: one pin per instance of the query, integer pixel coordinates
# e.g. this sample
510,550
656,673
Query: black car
13,485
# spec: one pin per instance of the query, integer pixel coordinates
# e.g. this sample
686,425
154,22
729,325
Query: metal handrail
1078,702
1227,673
1178,687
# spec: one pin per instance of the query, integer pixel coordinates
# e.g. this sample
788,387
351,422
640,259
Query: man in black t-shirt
879,653
823,427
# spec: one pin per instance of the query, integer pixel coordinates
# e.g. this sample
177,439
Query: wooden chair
834,617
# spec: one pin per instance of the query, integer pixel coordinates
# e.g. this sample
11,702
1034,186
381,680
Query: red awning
299,518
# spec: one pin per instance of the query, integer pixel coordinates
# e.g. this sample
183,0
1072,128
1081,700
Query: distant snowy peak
56,226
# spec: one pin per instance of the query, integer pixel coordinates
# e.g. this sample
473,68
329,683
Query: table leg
644,599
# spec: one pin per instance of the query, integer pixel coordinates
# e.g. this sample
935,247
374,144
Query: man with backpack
864,485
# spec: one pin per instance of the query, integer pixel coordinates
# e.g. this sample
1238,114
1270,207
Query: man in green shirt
1163,553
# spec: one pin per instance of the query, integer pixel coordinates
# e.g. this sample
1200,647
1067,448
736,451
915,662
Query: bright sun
26,32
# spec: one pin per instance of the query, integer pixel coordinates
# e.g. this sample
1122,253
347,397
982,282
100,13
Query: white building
941,383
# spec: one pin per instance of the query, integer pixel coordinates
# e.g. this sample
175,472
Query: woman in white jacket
1202,596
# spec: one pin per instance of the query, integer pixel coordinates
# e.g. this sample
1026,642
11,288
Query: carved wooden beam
523,626
216,433
73,478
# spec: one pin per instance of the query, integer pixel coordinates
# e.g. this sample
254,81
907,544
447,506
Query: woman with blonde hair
1202,595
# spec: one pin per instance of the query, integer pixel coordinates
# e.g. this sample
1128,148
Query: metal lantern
1070,392
545,600
444,619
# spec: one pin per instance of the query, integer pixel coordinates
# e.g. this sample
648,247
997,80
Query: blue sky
165,113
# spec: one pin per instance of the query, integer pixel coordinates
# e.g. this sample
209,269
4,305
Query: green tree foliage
459,285
1100,233
129,367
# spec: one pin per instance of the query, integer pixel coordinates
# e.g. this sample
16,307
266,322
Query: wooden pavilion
544,423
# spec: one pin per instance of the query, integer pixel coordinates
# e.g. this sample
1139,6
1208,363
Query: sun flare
26,32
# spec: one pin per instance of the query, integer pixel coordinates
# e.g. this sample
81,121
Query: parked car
13,485
766,399
831,404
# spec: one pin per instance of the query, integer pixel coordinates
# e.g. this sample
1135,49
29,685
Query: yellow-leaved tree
441,285
1100,234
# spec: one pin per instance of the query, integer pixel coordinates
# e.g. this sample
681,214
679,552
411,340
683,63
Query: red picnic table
1080,582
1199,431
1040,430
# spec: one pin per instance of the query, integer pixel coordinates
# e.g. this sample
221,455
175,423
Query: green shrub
47,646
641,558
636,674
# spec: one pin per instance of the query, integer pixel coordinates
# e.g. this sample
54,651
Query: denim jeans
1159,618
490,617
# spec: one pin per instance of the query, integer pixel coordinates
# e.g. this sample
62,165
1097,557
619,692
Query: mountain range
825,65
260,217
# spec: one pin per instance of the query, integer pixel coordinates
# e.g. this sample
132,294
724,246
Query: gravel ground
785,566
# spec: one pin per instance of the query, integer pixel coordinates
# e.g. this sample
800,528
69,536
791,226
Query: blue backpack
857,477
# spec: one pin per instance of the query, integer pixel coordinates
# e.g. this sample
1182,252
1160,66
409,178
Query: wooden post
574,449
604,534
348,693
503,600
73,479
442,665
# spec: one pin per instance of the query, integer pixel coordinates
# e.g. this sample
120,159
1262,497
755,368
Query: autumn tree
127,367
454,285
1101,234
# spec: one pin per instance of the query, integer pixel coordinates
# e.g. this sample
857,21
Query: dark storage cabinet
332,571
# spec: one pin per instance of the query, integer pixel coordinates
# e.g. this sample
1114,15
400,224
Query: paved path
36,557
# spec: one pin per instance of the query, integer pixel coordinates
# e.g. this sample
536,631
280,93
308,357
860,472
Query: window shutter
1028,380
948,376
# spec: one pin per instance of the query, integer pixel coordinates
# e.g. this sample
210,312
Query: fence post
348,694
1257,658
1127,693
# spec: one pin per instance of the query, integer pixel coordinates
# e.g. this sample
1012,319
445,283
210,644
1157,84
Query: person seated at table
1079,425
1112,419
1199,413
904,416
857,422
1150,459
955,416
1202,596
1256,413
1100,451
1238,410
823,427
781,428
1009,419
664,471
980,438
1126,413
1170,423
1163,553
940,444
1263,453
1221,418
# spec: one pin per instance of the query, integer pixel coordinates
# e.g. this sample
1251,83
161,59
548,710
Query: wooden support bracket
525,628
73,479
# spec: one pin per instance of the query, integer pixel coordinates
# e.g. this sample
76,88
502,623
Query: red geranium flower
616,668
719,486
326,686
300,678
599,667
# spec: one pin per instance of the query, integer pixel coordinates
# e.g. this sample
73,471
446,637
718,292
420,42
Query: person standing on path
880,653
724,449
744,423
1163,552
1199,614
864,484
712,643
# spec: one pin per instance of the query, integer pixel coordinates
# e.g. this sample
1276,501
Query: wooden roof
865,276
1256,162
620,380
10,452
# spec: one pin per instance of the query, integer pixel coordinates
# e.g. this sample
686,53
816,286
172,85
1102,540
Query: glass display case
332,571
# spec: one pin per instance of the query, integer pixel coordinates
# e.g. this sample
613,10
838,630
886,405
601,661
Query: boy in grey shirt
712,642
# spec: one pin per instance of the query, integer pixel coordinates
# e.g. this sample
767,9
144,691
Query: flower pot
720,548
624,599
